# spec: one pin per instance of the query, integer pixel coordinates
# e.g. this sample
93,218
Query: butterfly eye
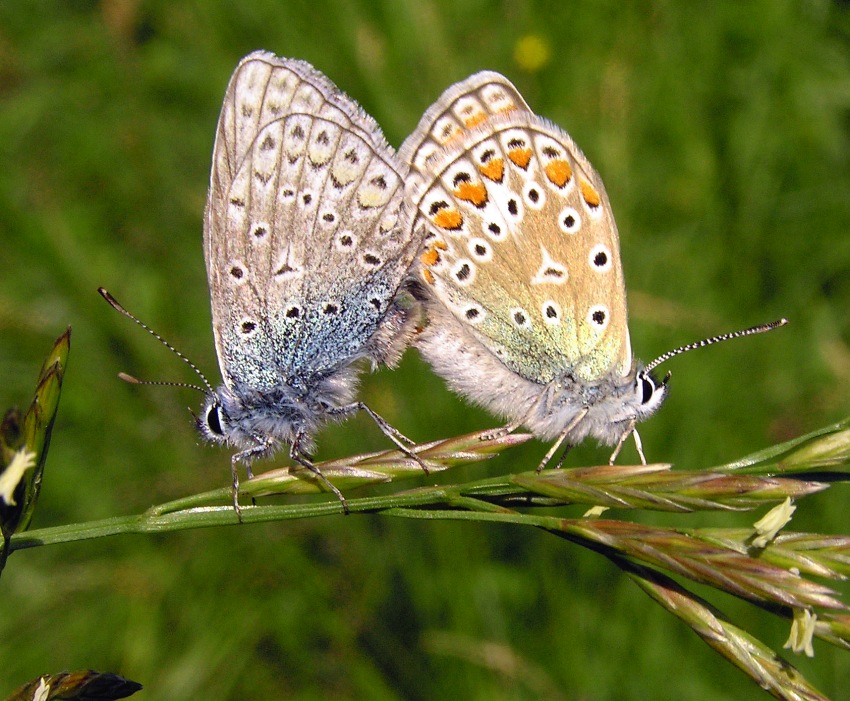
214,420
647,387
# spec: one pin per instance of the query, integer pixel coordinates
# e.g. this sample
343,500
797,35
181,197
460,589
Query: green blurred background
722,132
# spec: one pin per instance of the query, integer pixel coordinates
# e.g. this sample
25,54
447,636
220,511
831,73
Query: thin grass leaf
825,450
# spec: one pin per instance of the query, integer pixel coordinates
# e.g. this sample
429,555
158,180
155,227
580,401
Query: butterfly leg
566,451
501,432
244,456
387,429
630,431
552,451
234,471
296,454
639,446
561,438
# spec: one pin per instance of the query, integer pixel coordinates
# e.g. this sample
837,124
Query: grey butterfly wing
522,247
303,241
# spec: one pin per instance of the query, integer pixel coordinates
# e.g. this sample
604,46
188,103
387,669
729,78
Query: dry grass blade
720,567
659,488
834,628
385,466
806,553
771,672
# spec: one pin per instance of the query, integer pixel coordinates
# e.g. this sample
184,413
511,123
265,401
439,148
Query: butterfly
520,275
306,248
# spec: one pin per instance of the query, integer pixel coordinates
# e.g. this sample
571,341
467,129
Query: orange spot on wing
442,245
474,120
475,193
494,169
589,194
520,156
428,276
430,257
448,219
559,172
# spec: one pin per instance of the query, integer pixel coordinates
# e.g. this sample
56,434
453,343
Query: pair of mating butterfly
315,230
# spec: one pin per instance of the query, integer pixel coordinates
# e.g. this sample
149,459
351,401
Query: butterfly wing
521,243
303,238
461,108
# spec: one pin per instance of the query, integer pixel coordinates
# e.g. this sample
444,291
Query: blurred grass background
722,133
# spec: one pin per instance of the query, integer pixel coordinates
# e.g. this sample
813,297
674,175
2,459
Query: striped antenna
132,380
129,379
761,328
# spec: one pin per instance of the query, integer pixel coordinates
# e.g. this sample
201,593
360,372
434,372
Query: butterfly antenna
761,328
136,381
129,378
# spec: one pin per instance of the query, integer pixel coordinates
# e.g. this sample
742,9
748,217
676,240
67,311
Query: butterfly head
605,410
649,393
250,418
618,408
213,423
226,419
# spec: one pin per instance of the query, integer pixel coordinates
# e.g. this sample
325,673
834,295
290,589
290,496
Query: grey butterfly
521,276
306,247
